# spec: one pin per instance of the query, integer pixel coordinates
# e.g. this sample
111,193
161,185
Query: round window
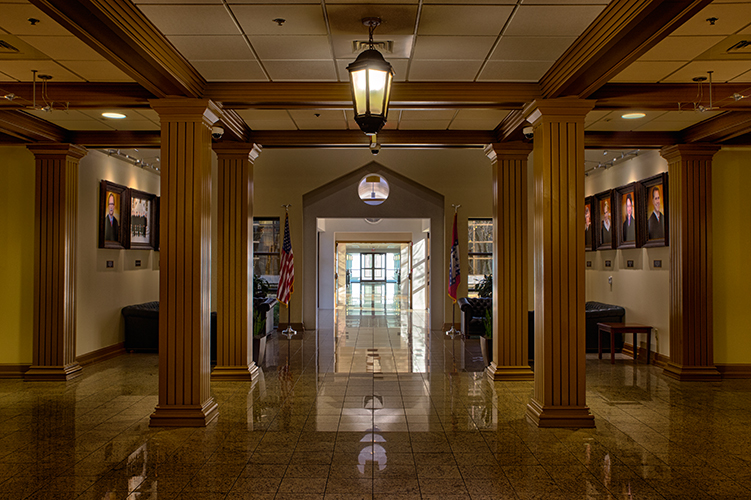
373,189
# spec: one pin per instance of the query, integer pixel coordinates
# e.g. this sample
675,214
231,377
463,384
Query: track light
10,97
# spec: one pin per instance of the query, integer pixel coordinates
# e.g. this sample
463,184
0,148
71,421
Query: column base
53,373
235,373
560,416
184,415
511,373
692,373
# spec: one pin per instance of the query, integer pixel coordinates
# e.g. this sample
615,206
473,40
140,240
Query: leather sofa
473,313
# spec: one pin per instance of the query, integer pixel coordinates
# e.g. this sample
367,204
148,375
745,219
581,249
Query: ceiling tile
744,77
428,114
323,114
688,117
399,65
646,71
136,115
514,71
147,113
614,123
135,125
60,116
15,20
228,48
475,20
287,124
301,70
395,19
663,126
68,48
97,71
730,18
191,19
453,47
21,70
681,48
473,124
230,70
87,124
423,124
264,114
723,71
299,19
565,2
593,116
482,114
322,124
291,47
401,46
450,71
525,48
551,20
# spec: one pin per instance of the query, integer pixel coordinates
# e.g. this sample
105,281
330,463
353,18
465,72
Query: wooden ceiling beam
81,95
669,96
28,128
629,140
387,138
719,129
622,32
120,139
120,32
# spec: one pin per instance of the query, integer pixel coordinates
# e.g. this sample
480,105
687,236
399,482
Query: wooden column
510,340
234,318
690,202
55,233
559,398
185,263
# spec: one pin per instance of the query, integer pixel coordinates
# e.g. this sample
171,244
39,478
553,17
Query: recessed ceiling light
114,116
633,116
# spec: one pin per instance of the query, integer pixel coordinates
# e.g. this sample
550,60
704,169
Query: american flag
287,271
455,273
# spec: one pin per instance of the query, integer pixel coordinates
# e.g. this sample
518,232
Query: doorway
373,267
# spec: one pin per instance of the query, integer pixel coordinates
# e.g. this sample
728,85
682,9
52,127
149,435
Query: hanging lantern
370,76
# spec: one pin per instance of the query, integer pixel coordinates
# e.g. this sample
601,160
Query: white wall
644,291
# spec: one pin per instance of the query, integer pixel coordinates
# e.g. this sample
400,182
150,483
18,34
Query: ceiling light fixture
113,116
10,97
632,116
370,77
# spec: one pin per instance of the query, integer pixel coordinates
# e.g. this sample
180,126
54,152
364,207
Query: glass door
373,267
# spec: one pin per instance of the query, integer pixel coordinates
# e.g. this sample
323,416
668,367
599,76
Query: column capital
513,150
186,109
57,150
562,109
695,150
240,150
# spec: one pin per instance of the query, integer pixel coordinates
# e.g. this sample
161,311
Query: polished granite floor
374,405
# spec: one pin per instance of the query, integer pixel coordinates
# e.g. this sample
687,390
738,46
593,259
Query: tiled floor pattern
374,407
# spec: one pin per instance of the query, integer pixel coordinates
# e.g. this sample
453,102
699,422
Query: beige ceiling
430,40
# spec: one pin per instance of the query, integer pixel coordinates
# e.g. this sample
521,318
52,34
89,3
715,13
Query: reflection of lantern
373,189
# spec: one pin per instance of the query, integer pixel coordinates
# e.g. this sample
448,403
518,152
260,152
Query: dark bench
473,313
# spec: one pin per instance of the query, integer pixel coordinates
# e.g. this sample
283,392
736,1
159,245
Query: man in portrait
587,227
111,225
656,222
629,225
606,231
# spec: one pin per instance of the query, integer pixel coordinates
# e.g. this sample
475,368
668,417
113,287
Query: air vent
742,47
360,45
6,48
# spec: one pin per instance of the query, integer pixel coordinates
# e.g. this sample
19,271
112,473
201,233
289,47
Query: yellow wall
731,226
16,254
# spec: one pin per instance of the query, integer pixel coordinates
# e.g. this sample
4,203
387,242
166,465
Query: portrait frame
157,215
121,198
646,188
622,194
589,203
141,232
601,199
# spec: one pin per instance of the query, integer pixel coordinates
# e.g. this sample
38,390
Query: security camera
375,148
529,132
217,132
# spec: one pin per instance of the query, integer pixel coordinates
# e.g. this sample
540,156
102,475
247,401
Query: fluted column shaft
559,398
690,203
185,263
234,322
55,233
510,287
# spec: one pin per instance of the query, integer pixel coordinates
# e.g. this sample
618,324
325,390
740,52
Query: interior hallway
373,406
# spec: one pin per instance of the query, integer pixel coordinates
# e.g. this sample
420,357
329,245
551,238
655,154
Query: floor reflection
373,405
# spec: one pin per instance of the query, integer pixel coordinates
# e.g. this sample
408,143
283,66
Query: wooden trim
30,128
103,354
83,95
734,370
14,371
629,140
721,128
664,96
387,138
119,139
120,32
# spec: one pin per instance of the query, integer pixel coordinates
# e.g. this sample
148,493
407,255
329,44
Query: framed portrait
606,237
655,218
141,219
157,209
590,238
626,220
113,215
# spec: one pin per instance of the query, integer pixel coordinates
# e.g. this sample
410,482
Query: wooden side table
622,328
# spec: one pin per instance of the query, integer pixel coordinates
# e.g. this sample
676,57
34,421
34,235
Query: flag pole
454,279
453,332
289,332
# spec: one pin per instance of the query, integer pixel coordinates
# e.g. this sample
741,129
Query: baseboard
657,359
13,371
109,352
734,370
